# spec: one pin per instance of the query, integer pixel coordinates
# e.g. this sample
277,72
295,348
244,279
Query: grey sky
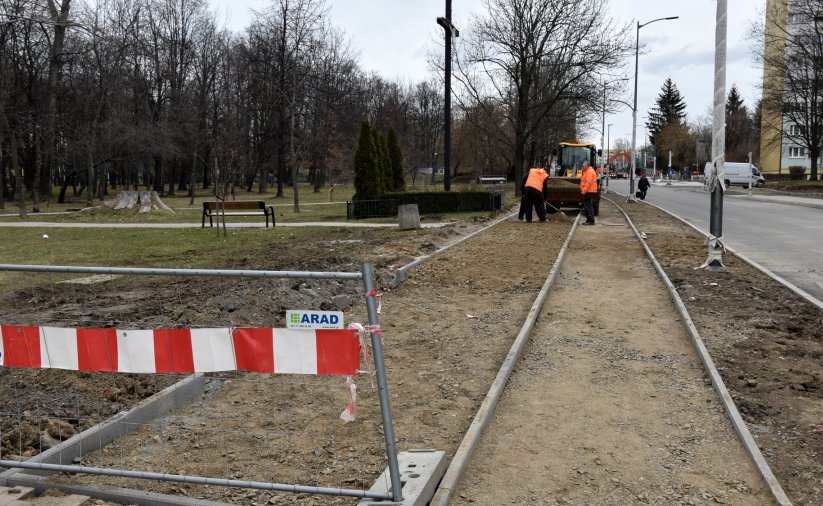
392,36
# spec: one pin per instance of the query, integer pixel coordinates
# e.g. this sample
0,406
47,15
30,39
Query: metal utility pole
449,29
715,184
634,109
608,152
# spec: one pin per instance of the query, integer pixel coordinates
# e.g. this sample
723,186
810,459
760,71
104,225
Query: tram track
480,456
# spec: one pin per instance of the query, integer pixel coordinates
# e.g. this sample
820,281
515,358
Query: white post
751,173
716,186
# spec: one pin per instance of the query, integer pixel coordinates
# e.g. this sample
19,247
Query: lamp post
634,109
603,130
714,261
608,150
450,30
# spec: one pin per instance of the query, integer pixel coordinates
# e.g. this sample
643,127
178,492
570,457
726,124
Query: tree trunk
91,178
38,166
60,19
143,201
18,178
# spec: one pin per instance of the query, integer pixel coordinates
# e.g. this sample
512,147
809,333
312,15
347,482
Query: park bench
237,208
492,179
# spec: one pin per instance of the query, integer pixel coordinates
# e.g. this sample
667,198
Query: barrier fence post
382,384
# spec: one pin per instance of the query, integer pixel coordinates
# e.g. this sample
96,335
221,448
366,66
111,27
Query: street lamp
450,30
602,131
634,109
608,149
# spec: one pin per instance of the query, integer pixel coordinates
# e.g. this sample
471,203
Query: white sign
300,319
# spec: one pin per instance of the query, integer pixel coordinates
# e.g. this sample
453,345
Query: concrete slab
420,472
10,495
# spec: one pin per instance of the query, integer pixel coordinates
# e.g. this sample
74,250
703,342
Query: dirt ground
447,329
766,342
605,408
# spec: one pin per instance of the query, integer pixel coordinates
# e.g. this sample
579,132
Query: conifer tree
396,157
366,183
382,180
669,110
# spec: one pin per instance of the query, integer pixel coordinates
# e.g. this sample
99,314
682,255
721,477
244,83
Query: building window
797,152
796,18
794,130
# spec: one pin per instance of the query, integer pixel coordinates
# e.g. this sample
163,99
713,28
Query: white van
738,174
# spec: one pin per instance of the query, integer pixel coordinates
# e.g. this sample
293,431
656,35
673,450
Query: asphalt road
784,238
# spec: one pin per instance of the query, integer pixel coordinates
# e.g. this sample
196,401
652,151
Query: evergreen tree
382,172
740,132
366,183
669,109
734,102
396,157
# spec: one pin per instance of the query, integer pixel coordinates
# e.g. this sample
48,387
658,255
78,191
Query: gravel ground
448,328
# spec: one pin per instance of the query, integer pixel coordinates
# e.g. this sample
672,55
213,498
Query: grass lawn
796,186
324,206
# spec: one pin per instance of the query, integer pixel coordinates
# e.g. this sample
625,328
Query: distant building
777,155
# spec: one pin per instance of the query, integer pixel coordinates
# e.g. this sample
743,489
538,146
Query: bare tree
530,57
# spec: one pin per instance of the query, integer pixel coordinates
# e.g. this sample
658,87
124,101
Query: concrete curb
739,424
100,435
481,419
400,272
121,495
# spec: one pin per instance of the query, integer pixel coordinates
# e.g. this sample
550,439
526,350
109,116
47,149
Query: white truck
739,174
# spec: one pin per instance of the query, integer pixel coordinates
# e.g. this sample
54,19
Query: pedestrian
588,188
523,198
536,186
642,186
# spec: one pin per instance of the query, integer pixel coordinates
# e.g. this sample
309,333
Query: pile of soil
76,401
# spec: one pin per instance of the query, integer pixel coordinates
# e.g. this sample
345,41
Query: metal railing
167,298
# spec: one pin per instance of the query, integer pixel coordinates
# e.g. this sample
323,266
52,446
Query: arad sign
299,319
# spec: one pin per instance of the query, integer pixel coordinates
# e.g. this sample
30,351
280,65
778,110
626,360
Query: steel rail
720,388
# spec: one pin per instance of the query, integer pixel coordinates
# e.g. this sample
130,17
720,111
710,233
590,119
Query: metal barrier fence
254,430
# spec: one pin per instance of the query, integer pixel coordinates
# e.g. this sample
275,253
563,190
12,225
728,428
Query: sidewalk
338,224
815,202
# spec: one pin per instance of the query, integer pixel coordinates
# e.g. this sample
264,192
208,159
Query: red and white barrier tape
264,350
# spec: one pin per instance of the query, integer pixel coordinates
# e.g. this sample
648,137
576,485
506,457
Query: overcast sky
392,36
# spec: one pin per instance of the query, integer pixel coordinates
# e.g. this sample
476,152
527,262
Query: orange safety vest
588,181
536,179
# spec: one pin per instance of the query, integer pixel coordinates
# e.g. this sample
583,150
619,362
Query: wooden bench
237,208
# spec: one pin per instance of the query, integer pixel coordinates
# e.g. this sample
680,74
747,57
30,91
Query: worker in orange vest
536,186
588,187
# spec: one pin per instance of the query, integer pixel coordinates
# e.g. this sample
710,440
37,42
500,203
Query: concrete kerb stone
400,272
740,426
120,495
481,419
97,437
420,472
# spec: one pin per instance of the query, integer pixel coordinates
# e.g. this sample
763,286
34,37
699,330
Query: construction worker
536,187
588,187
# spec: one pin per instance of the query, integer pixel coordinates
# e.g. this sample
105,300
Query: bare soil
447,329
766,341
609,403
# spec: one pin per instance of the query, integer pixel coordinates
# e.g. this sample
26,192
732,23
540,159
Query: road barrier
81,345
